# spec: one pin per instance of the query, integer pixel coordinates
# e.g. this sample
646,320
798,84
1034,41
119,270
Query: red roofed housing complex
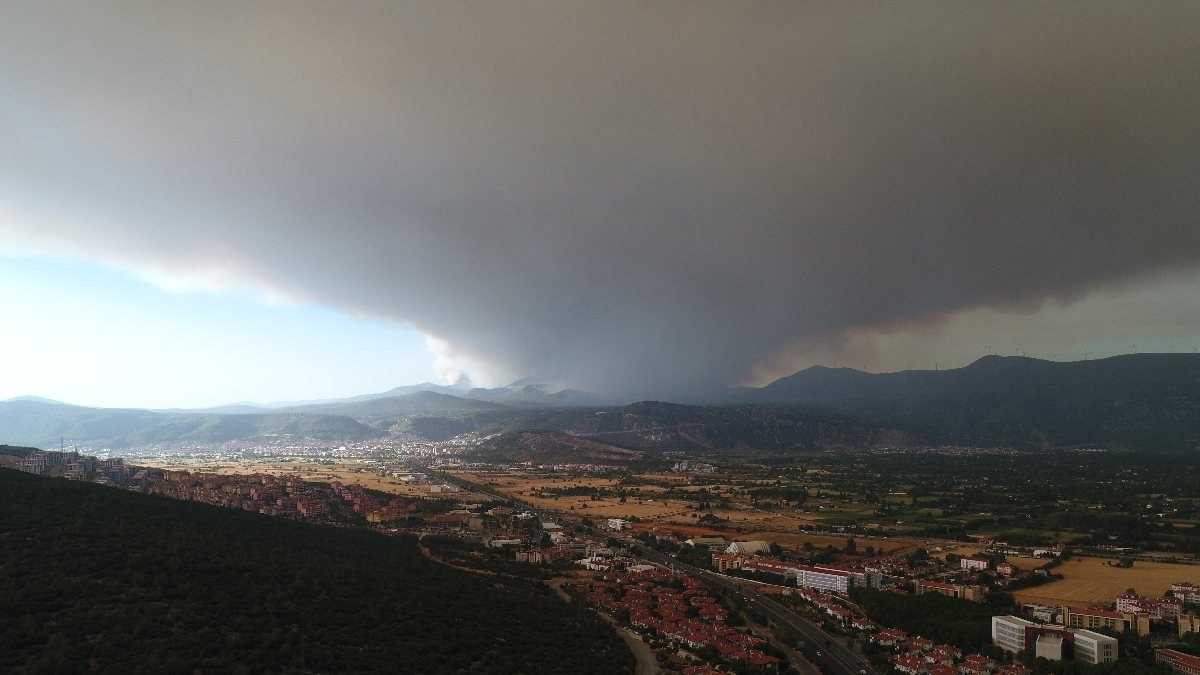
1160,609
1187,592
1077,617
1185,664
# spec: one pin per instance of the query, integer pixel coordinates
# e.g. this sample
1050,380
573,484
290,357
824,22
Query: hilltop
97,578
551,447
1145,401
1136,401
391,407
39,423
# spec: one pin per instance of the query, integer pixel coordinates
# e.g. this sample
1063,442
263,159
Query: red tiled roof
1096,612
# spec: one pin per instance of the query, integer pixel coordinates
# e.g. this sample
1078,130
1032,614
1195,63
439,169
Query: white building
973,563
1094,648
1049,647
618,524
823,579
1008,632
1187,592
748,548
1158,609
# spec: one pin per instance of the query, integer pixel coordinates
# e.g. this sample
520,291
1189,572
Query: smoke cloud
617,196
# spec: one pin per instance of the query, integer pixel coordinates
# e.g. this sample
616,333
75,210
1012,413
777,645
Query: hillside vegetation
41,423
98,579
551,447
1139,401
16,450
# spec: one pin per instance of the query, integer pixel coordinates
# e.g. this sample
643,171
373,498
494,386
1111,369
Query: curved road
836,657
646,664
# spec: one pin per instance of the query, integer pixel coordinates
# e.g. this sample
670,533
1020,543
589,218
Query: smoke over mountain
667,193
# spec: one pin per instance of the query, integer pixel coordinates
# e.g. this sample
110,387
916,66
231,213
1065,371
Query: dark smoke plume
612,195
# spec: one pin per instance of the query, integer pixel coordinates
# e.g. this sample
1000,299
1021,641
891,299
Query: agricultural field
642,497
662,498
346,472
953,501
797,541
1088,581
586,496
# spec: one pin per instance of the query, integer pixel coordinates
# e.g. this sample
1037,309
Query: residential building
975,563
1077,617
961,591
924,586
723,561
770,566
823,579
1187,592
1008,632
1160,609
1189,623
1183,664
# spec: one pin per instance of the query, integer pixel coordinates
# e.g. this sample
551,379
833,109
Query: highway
835,658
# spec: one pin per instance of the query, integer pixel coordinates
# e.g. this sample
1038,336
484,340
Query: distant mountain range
522,393
43,424
1136,400
1146,401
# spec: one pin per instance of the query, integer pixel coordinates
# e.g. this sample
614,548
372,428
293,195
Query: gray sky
644,197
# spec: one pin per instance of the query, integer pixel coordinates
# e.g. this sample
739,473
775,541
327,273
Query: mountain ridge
1143,401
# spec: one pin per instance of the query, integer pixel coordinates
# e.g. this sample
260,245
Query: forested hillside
94,578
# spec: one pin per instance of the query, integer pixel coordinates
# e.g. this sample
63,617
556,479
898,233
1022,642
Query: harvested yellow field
344,472
1089,581
640,501
797,541
525,487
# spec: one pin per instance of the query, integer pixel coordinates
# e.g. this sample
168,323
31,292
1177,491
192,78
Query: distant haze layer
664,195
